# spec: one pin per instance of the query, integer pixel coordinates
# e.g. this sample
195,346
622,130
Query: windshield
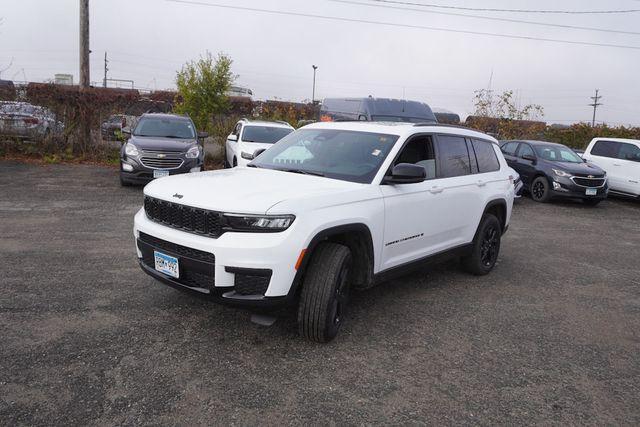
339,154
400,119
557,153
165,127
264,134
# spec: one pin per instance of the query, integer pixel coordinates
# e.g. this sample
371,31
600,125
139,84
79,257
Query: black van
375,109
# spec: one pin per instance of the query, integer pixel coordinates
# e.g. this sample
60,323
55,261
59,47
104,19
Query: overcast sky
148,40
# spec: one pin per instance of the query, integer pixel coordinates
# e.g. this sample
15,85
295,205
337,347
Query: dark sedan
160,145
551,171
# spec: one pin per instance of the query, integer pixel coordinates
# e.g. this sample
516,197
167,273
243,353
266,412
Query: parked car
160,145
551,170
27,121
328,208
621,159
112,128
251,137
376,110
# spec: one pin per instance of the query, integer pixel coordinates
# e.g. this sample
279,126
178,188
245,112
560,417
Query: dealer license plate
160,173
166,264
592,191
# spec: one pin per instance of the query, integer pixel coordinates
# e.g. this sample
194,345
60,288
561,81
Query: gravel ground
551,336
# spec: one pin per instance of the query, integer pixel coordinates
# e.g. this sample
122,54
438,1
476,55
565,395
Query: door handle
435,189
617,164
481,183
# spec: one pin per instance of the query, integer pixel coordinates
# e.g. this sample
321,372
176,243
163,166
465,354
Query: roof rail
442,125
283,122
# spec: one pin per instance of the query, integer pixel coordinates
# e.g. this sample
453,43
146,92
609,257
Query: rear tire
485,247
325,292
540,189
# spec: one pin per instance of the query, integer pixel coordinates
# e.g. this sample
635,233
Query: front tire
540,189
486,247
325,293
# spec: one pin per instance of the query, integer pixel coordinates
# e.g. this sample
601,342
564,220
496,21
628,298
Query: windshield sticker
376,153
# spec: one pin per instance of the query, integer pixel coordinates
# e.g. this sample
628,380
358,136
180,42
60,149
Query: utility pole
84,44
595,106
313,95
104,82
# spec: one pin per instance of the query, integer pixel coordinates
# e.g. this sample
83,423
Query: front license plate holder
592,191
166,264
160,173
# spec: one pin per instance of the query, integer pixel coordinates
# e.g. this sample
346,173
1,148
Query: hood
576,168
157,143
242,190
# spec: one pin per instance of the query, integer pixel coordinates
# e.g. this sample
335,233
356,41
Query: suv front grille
588,182
186,218
161,163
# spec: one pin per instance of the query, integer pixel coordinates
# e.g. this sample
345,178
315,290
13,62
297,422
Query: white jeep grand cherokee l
329,208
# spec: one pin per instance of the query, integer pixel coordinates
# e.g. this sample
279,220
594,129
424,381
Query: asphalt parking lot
551,336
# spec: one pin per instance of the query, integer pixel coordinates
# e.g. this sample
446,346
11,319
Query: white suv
620,158
331,207
250,137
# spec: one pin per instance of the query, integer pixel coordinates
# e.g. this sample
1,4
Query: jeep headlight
561,173
193,152
259,223
131,150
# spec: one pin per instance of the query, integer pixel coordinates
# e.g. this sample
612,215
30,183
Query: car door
232,145
416,223
604,154
509,151
627,166
525,167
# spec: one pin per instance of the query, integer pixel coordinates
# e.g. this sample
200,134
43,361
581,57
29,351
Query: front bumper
142,174
562,187
225,266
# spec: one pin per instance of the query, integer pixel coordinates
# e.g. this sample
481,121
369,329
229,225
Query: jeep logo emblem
178,196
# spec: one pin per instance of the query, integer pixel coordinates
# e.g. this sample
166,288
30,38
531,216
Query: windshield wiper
302,172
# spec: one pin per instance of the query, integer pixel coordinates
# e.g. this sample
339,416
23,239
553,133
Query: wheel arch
497,207
357,237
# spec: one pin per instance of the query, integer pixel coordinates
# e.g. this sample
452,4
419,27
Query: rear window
264,134
486,156
454,156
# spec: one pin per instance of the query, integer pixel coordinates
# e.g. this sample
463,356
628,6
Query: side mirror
232,137
126,130
202,135
529,157
258,152
406,173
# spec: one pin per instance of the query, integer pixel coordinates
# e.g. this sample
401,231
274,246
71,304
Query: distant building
63,79
239,91
446,116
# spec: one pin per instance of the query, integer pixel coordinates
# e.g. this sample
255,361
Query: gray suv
160,145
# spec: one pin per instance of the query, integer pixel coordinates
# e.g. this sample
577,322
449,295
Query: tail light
31,120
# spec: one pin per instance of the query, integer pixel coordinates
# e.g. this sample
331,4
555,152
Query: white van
620,158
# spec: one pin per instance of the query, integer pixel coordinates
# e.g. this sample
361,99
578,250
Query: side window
524,150
453,156
419,151
606,149
510,148
629,152
486,156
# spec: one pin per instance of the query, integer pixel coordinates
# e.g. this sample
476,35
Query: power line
484,9
392,24
491,18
